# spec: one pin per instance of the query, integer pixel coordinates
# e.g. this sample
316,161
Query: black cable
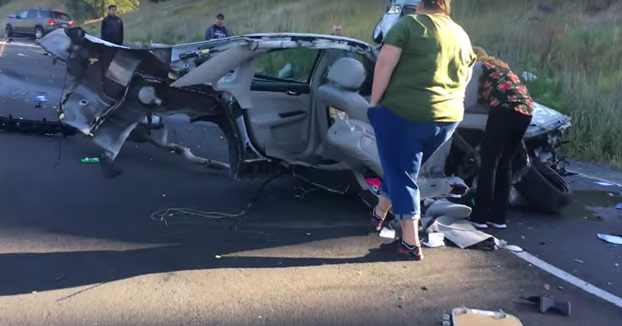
163,215
60,102
60,152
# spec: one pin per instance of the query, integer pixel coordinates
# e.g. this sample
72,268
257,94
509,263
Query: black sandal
377,222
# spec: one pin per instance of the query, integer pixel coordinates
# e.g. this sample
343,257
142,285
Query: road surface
79,249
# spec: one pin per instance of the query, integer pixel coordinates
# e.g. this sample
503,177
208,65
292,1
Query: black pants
502,139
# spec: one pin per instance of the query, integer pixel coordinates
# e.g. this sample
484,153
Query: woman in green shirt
417,103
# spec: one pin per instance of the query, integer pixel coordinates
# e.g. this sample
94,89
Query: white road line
595,178
20,44
585,286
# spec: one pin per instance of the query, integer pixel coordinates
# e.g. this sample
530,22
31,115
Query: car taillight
51,22
72,23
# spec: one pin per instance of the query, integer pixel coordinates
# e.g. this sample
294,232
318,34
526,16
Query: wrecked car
396,9
295,102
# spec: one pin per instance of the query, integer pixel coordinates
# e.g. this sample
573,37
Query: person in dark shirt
112,27
510,113
218,30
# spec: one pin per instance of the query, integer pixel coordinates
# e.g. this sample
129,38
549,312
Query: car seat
344,79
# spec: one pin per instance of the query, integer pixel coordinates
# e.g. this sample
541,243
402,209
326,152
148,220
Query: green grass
575,51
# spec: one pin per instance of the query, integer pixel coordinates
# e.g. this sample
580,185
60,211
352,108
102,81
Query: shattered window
287,65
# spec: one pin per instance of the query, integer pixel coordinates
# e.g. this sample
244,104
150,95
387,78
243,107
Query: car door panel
280,116
280,121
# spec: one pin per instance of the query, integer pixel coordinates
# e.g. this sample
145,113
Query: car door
281,95
31,21
20,22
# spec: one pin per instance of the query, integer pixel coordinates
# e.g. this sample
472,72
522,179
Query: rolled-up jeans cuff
412,216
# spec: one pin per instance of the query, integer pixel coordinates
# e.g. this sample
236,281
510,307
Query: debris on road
468,317
90,160
514,248
39,100
547,287
435,240
387,233
579,261
547,303
604,184
615,239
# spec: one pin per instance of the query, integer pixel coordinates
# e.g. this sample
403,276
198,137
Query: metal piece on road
547,303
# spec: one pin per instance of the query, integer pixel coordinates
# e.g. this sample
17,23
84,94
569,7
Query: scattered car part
547,303
39,127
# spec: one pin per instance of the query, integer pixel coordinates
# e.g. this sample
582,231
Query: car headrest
347,73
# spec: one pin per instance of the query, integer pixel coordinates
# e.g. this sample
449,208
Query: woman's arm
387,60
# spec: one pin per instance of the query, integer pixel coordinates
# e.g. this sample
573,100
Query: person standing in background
337,30
112,27
218,30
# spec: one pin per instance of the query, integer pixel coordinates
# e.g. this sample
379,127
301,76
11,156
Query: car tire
8,31
39,33
544,189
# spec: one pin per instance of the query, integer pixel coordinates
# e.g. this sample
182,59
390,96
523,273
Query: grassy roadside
573,46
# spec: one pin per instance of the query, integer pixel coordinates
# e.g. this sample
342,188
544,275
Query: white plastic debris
604,184
387,233
514,248
435,240
615,239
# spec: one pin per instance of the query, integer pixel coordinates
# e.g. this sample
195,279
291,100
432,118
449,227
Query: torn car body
283,101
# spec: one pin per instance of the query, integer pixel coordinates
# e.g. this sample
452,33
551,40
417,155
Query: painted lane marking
585,286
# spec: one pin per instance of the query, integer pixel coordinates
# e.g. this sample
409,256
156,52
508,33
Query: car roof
48,9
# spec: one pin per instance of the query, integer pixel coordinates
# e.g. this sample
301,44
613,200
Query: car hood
546,120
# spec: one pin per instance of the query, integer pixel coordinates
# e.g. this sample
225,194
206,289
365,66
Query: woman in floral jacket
511,110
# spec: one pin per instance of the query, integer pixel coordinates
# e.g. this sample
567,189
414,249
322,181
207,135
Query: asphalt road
79,249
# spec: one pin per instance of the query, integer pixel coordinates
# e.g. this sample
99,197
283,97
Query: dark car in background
37,22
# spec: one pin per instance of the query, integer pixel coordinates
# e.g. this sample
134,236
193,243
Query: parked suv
37,22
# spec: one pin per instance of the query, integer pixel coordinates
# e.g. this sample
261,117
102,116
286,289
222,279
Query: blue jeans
403,147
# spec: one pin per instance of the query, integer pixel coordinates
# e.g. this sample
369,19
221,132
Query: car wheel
8,31
544,189
39,32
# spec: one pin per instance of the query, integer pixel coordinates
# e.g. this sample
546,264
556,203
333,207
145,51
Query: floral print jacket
501,88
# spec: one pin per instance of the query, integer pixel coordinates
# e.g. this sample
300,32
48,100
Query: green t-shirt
429,81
